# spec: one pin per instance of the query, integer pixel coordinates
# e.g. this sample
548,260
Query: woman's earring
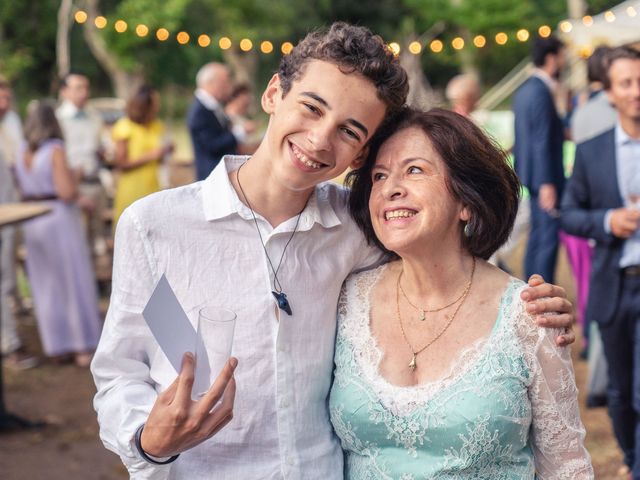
467,230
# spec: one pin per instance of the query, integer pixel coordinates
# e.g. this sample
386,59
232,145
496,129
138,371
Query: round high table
10,214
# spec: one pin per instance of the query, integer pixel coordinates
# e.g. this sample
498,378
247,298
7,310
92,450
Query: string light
415,47
479,41
81,16
458,43
544,31
162,34
436,46
142,30
566,26
100,22
631,11
224,43
120,26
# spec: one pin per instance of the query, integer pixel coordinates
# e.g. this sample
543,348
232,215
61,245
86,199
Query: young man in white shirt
254,230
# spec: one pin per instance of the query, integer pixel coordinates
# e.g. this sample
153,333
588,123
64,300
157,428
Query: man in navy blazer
211,131
539,136
602,201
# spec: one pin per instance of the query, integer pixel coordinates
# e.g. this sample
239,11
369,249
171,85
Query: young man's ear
271,94
360,159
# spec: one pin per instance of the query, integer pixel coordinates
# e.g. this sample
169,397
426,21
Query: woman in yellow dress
139,149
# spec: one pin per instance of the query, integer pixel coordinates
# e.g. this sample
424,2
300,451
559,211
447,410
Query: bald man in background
212,133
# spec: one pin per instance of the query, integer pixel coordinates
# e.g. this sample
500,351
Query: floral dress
506,410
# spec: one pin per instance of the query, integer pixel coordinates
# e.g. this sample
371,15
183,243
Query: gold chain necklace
413,365
424,311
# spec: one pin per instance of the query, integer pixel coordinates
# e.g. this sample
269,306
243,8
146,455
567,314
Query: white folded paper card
173,331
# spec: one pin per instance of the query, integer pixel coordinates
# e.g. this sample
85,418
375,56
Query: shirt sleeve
121,130
557,433
120,368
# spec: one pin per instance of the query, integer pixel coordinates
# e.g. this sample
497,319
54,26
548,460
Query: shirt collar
68,109
622,138
209,101
220,200
551,83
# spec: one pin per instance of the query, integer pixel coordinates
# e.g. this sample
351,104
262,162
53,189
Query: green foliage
28,33
27,44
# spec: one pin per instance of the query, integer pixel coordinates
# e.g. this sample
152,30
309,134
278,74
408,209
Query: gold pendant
422,316
413,365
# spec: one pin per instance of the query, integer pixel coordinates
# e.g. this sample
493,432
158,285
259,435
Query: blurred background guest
212,132
463,93
593,115
139,149
10,126
238,107
58,261
538,151
82,132
10,140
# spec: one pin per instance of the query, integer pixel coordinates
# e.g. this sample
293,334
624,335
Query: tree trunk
63,56
123,82
244,65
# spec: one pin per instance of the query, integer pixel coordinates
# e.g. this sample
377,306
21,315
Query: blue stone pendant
283,303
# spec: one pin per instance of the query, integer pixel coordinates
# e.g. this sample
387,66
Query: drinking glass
214,342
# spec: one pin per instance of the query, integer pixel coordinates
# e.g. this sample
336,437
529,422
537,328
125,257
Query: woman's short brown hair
140,104
478,175
354,50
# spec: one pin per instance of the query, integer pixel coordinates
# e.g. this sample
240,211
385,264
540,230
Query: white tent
618,26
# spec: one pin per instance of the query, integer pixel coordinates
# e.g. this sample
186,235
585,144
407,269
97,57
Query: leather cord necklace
413,365
279,295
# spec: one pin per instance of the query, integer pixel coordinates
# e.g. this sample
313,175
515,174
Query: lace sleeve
557,431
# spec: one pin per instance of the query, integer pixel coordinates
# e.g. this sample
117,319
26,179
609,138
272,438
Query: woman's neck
435,277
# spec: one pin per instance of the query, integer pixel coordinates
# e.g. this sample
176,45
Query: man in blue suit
212,134
602,201
538,153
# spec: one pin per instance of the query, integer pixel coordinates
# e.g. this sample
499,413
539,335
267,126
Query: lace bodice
507,409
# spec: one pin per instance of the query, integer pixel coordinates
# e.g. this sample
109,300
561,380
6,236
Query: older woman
440,372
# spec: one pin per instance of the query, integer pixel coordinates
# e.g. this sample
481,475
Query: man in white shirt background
82,129
271,239
10,144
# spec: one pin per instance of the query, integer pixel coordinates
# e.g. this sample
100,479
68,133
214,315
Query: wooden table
12,213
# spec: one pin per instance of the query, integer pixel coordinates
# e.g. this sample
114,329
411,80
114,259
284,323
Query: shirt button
289,461
284,403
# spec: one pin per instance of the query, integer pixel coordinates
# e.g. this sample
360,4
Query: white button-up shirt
82,131
205,241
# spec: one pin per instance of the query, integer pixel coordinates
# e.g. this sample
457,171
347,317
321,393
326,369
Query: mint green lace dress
507,409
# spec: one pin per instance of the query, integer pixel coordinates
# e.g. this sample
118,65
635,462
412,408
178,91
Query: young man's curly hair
354,50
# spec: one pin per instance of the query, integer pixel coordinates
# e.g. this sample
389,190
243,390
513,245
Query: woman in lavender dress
58,261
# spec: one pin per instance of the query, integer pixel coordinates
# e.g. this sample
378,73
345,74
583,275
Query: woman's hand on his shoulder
549,306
